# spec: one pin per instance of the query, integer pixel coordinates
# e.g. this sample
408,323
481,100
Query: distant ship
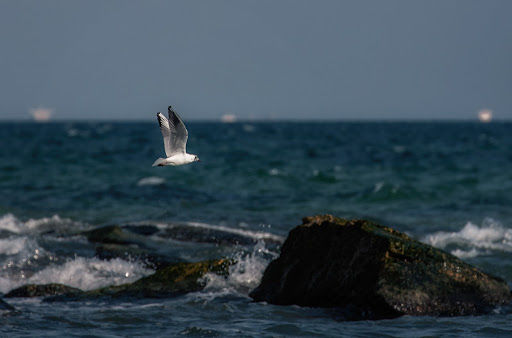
485,115
228,118
41,114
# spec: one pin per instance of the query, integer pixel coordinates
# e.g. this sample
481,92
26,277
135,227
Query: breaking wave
244,275
82,273
473,240
11,223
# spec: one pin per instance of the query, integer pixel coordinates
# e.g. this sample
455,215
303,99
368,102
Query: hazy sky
257,59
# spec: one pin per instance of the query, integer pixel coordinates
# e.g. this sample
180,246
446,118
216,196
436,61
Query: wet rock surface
375,272
34,290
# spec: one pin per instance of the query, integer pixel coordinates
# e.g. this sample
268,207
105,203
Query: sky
126,60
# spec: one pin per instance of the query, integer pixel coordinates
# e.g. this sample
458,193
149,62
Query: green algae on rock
379,272
35,290
170,281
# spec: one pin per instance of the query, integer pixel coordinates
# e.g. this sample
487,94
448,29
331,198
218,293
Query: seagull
175,140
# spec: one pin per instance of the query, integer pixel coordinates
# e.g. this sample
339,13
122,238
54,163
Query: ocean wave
11,223
14,246
473,240
244,276
82,273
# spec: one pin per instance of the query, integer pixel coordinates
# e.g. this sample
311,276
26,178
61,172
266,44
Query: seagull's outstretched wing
174,133
179,133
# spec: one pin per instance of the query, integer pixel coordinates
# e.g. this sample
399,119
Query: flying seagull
175,140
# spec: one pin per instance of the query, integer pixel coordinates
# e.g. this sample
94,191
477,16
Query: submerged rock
375,271
34,290
171,281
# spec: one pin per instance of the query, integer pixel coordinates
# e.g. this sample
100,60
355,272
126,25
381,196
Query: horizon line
252,120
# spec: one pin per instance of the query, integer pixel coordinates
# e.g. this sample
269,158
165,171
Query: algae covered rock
376,271
173,280
35,290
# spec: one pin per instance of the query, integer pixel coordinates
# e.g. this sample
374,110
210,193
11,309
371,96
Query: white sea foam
82,273
244,276
13,246
473,240
471,253
151,180
11,223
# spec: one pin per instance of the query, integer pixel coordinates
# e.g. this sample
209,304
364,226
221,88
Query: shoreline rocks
375,271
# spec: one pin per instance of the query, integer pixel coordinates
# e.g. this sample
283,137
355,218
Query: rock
171,281
376,271
33,290
149,258
114,234
204,235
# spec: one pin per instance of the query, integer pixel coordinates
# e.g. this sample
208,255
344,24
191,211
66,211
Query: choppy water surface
447,184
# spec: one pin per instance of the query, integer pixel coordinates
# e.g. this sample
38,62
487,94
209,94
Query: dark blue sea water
447,184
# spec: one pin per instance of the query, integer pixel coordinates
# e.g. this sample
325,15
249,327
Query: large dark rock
34,290
376,271
171,281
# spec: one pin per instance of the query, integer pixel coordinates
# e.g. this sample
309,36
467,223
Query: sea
448,184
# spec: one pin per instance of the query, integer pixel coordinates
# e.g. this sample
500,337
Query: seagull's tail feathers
159,162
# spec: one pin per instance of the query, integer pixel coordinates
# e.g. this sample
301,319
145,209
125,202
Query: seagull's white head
196,159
